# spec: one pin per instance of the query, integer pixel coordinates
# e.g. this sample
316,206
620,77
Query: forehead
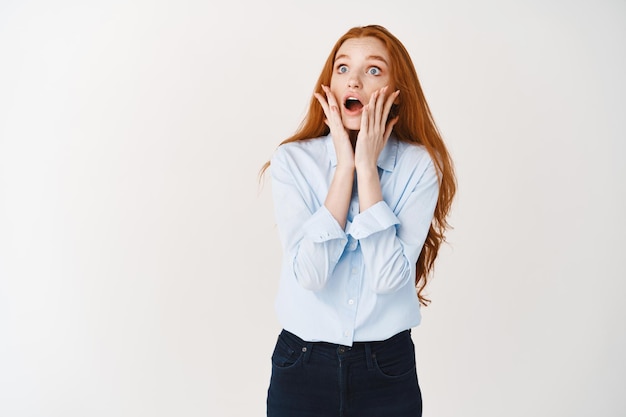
362,48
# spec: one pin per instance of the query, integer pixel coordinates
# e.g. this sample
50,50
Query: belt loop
368,356
307,351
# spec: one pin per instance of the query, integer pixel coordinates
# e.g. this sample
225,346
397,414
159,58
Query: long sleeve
343,285
312,239
392,241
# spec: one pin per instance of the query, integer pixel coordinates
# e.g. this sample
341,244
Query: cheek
333,84
382,82
335,91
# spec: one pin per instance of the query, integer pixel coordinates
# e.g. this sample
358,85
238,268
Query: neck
353,135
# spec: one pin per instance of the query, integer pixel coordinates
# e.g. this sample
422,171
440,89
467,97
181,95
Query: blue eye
342,69
373,71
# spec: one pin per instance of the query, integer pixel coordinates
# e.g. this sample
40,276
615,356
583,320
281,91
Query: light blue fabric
344,286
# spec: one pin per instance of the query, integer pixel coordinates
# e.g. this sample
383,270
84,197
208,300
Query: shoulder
302,152
414,157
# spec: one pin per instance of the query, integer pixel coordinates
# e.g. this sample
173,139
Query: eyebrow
370,58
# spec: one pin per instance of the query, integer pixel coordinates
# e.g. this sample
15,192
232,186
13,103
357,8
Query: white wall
138,255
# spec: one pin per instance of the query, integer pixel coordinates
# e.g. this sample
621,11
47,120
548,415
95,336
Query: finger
331,111
387,107
388,103
380,117
365,116
389,128
322,100
332,101
371,109
335,113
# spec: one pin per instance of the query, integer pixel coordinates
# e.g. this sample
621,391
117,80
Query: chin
352,123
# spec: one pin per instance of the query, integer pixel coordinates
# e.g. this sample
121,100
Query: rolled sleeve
319,250
390,253
375,219
312,239
322,227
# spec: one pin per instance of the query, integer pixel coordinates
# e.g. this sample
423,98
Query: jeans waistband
365,350
356,346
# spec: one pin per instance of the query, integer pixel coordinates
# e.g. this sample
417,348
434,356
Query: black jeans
373,379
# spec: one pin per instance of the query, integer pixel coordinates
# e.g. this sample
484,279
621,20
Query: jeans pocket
285,355
396,361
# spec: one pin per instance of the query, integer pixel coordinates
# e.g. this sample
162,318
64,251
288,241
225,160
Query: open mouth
352,104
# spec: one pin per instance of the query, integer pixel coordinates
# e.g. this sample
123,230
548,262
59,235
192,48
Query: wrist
365,170
345,161
344,168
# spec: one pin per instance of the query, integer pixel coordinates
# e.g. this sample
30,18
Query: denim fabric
317,379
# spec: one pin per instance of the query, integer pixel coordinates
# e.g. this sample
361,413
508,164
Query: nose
354,81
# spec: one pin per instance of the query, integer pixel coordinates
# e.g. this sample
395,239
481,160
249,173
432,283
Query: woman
361,193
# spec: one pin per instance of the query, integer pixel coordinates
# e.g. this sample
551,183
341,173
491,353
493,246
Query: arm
340,191
373,135
338,199
391,240
312,239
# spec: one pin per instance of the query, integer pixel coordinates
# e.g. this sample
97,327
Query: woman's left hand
375,130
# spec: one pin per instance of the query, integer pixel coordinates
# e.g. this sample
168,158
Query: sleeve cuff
375,219
322,226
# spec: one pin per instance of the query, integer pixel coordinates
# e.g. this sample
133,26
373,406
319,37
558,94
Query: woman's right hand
341,139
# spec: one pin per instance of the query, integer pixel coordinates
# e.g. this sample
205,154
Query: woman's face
361,67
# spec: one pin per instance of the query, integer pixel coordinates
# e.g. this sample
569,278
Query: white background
138,254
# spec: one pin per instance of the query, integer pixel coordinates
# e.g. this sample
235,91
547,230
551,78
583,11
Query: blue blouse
357,283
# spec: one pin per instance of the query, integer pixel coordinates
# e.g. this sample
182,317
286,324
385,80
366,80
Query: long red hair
415,125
